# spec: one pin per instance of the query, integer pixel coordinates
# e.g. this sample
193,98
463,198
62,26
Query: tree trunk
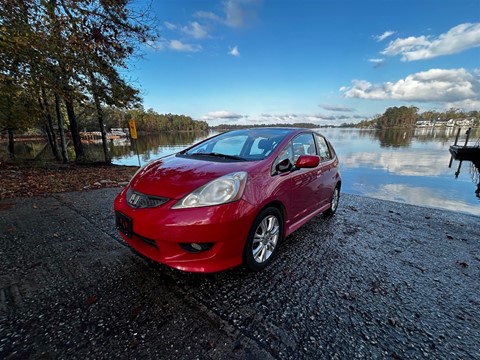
63,142
11,141
106,151
52,138
77,142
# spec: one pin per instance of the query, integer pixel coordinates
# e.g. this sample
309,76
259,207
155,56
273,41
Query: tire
333,203
263,239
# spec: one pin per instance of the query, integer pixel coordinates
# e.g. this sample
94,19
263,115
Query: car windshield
240,145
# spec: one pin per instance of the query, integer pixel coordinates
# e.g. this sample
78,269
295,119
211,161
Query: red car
230,199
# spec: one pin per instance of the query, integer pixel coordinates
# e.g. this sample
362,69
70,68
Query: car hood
176,176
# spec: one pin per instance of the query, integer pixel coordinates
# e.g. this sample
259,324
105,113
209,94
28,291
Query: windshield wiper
225,156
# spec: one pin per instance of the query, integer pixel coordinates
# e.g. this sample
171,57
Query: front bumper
158,233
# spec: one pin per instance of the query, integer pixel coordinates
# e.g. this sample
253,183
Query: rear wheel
334,203
263,239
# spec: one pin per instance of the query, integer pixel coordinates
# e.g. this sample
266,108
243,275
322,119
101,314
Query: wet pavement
379,280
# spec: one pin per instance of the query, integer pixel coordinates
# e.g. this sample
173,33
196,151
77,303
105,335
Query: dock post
458,134
468,136
458,170
456,141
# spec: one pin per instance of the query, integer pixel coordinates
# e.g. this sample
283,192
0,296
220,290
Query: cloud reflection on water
421,196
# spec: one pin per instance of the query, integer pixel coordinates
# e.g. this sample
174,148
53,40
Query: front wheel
263,239
334,203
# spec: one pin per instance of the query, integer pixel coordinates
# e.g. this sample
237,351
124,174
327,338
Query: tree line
58,55
148,121
401,117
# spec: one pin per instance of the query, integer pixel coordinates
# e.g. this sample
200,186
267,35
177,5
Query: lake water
404,166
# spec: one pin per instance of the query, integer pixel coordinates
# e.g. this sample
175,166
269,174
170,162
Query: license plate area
123,223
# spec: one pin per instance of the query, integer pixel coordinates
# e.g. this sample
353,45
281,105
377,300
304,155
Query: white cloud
169,25
222,114
457,39
467,105
177,45
234,51
336,108
195,30
237,13
385,35
438,85
377,62
207,15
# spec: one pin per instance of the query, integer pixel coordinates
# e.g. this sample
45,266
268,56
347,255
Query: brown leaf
91,300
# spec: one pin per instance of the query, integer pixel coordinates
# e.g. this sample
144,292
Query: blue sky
325,61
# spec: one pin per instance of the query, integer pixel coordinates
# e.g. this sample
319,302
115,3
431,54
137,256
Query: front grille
138,200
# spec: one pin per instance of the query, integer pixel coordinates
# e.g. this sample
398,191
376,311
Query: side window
303,144
323,149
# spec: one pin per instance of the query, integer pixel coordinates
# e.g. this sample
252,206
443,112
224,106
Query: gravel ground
379,280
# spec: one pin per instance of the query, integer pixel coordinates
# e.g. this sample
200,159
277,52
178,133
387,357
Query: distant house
440,123
423,123
443,123
451,123
464,122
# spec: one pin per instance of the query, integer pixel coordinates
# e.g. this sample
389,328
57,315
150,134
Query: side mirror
307,161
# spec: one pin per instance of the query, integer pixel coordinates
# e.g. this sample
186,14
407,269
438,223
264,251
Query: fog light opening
196,247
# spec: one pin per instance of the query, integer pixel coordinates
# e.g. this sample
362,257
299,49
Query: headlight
223,190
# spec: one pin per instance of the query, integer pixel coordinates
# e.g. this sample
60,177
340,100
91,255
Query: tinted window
303,144
323,149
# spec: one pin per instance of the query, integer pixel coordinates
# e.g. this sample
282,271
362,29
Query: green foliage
396,117
367,124
147,122
152,122
18,110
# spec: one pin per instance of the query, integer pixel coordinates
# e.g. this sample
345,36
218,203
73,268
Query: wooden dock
465,153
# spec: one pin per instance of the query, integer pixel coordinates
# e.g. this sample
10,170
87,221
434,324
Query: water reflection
154,146
400,138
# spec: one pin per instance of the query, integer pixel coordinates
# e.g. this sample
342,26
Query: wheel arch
278,205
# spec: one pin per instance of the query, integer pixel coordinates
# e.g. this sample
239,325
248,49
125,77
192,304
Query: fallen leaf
91,300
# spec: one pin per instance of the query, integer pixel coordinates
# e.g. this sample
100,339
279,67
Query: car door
306,184
327,168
